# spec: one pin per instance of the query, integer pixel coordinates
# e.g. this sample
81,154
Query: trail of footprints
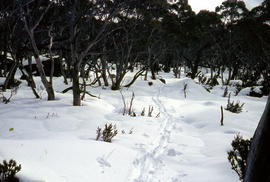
169,149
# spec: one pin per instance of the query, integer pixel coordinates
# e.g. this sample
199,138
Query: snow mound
175,89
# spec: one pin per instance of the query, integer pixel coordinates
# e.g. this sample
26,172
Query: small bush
255,92
163,80
238,156
5,99
107,133
202,78
8,171
212,81
234,107
238,89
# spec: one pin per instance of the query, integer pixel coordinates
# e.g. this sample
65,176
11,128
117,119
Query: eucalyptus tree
200,33
12,41
232,11
32,15
84,33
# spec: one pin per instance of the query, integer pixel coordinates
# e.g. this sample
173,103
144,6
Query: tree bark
10,80
76,86
258,168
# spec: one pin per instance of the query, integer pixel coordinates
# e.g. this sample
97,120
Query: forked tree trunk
48,85
258,163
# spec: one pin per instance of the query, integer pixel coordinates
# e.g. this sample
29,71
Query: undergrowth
238,156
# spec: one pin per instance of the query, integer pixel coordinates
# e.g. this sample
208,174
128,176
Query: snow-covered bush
212,81
256,92
238,156
234,107
107,133
8,171
5,99
202,78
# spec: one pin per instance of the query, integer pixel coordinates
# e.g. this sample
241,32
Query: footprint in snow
103,163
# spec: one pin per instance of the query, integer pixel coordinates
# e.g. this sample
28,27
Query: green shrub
107,133
8,171
238,156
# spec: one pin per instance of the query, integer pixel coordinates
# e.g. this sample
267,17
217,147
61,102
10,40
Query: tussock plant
234,107
107,133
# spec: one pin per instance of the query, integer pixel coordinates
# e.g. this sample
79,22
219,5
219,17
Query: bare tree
77,24
30,29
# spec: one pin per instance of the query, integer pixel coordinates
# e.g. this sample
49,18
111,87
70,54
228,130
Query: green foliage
107,133
238,156
8,171
234,107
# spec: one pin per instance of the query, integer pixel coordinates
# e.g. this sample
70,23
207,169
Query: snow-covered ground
55,142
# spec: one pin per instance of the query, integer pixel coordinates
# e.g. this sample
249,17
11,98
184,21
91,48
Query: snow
42,58
55,141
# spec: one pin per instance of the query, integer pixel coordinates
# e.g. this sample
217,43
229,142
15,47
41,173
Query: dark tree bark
76,86
258,163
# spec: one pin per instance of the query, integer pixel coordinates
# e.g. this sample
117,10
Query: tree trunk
103,72
258,168
48,86
10,80
62,70
31,83
230,75
235,71
76,86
